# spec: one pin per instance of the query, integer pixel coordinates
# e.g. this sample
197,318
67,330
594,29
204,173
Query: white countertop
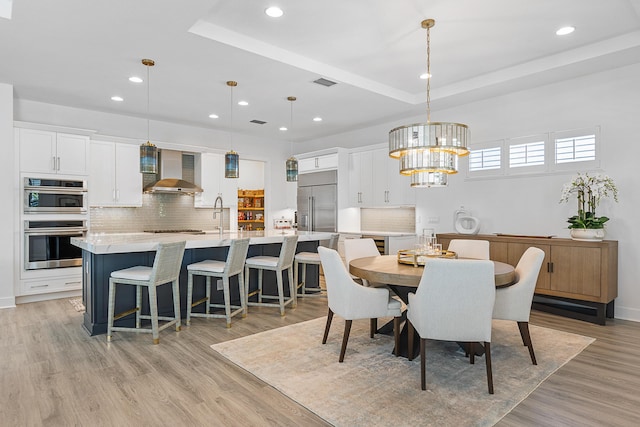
111,243
380,233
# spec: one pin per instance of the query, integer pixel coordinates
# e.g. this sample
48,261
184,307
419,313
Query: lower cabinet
573,271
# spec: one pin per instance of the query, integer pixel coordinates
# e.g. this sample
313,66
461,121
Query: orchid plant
589,190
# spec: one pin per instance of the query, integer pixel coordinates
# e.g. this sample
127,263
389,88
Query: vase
587,234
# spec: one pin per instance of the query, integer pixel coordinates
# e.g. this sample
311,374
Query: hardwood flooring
52,373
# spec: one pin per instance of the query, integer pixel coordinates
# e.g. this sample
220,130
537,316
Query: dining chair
514,302
453,302
166,269
469,248
359,248
279,264
304,259
352,301
223,270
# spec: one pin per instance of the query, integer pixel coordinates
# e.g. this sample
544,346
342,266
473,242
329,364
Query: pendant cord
428,75
231,119
148,84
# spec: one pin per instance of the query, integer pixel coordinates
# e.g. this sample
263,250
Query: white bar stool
166,268
310,258
277,264
233,266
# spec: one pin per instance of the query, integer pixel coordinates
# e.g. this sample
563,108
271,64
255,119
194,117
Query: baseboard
8,302
627,313
46,297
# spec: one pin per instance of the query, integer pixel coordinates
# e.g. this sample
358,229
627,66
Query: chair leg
526,340
189,297
247,274
293,288
396,335
175,287
207,303
487,358
304,279
138,305
153,307
227,300
328,325
373,327
296,266
280,291
112,307
242,294
410,333
260,271
423,374
472,353
345,339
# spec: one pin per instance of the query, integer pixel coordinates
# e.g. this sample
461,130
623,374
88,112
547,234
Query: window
529,154
484,159
576,149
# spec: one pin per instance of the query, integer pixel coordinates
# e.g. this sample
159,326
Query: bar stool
277,264
166,268
233,266
310,258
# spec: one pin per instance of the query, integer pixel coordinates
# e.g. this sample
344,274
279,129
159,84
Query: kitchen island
103,253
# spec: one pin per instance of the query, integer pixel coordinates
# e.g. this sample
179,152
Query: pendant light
429,151
231,159
148,151
292,162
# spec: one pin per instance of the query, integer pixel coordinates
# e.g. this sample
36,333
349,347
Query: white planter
587,235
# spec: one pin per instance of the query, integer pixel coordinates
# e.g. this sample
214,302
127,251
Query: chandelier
292,163
148,151
231,158
428,152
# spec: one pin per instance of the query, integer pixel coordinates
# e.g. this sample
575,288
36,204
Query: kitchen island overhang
103,253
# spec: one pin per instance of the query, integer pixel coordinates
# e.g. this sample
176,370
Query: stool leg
227,299
242,294
304,279
293,288
138,305
280,291
295,274
112,300
247,274
208,301
175,285
260,271
153,306
189,296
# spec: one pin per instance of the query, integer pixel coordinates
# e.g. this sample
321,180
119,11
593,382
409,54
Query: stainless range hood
171,174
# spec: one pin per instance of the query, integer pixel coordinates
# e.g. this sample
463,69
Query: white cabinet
209,174
318,163
115,178
53,152
360,179
390,188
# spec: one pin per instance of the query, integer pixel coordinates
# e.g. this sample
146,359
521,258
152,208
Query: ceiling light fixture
231,158
148,151
292,162
117,98
135,79
425,76
565,30
274,12
432,147
213,116
317,119
243,103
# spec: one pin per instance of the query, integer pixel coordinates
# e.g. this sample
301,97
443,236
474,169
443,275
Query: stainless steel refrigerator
317,201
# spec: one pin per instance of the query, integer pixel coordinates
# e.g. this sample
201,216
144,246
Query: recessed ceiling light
283,128
243,103
135,79
317,119
274,12
117,98
565,30
425,76
213,116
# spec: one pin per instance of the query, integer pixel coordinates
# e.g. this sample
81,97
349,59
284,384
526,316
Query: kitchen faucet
220,211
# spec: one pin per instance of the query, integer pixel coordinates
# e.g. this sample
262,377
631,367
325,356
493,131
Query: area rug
374,388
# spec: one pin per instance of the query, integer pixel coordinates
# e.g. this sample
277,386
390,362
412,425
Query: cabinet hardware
58,164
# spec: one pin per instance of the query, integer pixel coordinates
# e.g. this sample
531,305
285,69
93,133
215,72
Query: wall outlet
219,284
434,220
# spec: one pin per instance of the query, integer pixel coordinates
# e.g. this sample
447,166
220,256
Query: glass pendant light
429,149
292,162
231,158
148,151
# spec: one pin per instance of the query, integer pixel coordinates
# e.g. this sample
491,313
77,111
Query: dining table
404,278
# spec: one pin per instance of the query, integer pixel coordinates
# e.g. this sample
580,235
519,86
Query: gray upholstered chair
514,302
303,259
279,264
454,302
470,248
233,266
352,301
166,269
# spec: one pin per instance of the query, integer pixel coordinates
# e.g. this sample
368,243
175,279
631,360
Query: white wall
9,195
529,205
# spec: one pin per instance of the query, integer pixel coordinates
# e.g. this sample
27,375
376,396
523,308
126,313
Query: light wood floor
52,373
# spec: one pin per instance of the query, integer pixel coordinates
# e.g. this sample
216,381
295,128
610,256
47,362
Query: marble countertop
111,243
380,233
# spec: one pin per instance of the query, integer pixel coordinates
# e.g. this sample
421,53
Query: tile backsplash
158,212
392,220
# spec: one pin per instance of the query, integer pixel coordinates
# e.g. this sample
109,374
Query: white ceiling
79,53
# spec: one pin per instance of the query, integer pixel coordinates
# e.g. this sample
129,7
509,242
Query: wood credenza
577,279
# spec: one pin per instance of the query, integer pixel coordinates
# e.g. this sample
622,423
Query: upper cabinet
53,152
318,163
209,174
360,179
115,178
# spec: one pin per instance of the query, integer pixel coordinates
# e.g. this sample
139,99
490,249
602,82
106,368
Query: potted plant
589,190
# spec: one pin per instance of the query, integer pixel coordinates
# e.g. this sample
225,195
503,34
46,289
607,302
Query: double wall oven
54,211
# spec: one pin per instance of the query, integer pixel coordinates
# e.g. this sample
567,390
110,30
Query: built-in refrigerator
317,201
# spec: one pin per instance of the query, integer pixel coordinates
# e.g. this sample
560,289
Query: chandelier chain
428,74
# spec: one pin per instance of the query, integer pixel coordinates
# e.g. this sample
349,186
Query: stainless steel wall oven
44,195
47,244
